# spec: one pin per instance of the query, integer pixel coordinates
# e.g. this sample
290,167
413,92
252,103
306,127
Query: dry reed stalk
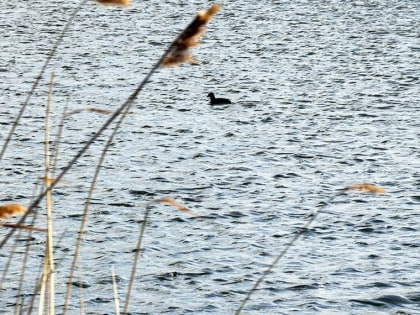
39,77
180,49
90,109
5,267
168,201
48,278
359,187
23,227
114,285
123,108
99,110
57,142
19,295
87,205
11,209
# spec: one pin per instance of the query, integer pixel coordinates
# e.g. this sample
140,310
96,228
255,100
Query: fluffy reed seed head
175,204
124,3
11,209
49,180
180,49
366,188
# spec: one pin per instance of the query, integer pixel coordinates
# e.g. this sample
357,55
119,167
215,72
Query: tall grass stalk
114,286
19,295
47,284
360,187
57,142
7,265
86,210
137,251
49,250
192,29
178,46
39,77
177,52
136,257
123,107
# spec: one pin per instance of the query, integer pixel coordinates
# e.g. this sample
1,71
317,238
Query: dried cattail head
179,51
177,205
366,188
49,180
124,3
11,209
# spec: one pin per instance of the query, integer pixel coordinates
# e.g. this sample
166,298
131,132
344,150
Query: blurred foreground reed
178,52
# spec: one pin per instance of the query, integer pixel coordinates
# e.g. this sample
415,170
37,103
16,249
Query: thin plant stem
35,292
114,285
125,106
136,256
7,265
49,250
39,77
86,210
359,187
57,142
81,297
282,253
19,296
38,285
48,274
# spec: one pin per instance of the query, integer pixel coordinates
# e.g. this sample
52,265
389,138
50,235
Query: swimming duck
218,101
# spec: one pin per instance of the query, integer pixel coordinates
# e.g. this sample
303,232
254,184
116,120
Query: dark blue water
325,95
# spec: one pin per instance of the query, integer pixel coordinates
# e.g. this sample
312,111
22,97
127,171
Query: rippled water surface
325,94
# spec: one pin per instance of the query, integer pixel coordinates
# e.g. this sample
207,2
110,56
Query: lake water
325,94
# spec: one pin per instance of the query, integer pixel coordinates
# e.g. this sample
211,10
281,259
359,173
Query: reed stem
39,77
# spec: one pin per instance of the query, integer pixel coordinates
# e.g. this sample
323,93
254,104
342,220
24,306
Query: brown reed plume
358,187
177,205
365,188
49,180
124,3
180,48
11,209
